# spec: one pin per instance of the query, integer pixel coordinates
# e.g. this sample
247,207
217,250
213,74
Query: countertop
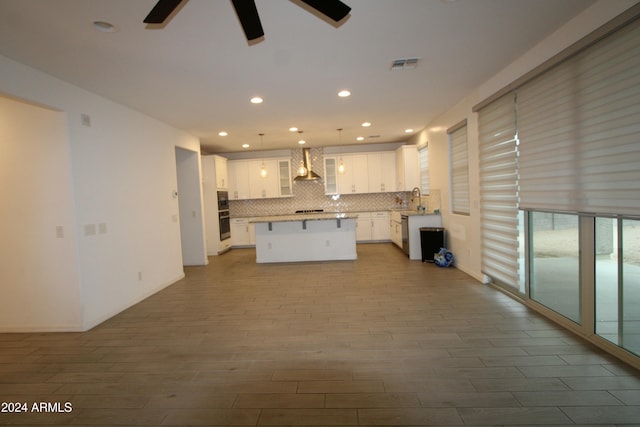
305,217
415,213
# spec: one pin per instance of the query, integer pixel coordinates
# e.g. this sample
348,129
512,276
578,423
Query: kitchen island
305,237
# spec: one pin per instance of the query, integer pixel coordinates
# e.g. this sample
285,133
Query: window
459,167
423,153
502,225
578,128
563,148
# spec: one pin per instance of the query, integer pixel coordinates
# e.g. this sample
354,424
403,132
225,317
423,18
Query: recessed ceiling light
256,100
366,124
222,133
105,27
245,145
360,138
344,93
293,129
302,142
408,130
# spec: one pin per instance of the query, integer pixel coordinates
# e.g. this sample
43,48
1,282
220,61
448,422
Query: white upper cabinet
407,168
330,175
246,180
381,170
263,187
354,179
222,180
284,176
238,179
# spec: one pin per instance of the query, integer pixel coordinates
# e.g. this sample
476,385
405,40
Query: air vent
404,64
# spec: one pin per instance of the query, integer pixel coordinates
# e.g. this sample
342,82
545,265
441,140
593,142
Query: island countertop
305,217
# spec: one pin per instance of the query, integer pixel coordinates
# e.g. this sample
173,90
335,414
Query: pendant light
302,170
263,170
341,165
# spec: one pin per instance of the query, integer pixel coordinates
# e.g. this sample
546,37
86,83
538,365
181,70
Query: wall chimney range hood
306,162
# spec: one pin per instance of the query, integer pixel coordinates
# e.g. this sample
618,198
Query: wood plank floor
377,341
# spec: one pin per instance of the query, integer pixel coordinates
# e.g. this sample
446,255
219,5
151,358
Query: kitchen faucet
416,193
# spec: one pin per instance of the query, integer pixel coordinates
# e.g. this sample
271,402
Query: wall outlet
139,275
102,228
60,232
89,229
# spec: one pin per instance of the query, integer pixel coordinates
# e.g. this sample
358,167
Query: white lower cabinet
373,227
243,232
396,233
380,226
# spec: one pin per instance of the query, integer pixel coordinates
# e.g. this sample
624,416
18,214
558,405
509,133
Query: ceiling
197,72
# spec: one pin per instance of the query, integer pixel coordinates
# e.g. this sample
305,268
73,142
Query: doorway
190,208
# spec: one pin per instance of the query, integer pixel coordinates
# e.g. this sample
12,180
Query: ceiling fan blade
334,9
249,19
161,11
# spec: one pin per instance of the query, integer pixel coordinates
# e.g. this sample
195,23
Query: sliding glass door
617,282
554,257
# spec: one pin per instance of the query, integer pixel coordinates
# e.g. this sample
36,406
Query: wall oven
223,215
225,225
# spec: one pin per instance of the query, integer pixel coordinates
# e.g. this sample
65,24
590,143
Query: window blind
499,191
459,158
579,127
423,154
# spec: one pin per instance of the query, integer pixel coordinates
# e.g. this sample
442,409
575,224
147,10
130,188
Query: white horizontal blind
579,131
459,158
423,154
499,191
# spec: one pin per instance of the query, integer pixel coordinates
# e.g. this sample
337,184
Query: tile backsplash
310,195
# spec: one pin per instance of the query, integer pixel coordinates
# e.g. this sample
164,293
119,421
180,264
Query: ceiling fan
248,14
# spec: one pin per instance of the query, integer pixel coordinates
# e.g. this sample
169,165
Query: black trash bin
431,240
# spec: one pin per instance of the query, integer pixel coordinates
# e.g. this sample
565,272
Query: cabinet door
330,175
374,167
355,177
238,171
222,180
388,171
284,176
381,169
360,177
240,233
380,226
408,168
396,233
363,227
261,187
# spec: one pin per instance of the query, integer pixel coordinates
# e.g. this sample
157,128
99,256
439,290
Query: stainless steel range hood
306,161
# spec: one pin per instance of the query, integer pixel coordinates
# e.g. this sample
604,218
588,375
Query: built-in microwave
223,200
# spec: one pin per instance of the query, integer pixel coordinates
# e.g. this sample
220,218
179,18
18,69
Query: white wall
38,274
123,173
464,231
